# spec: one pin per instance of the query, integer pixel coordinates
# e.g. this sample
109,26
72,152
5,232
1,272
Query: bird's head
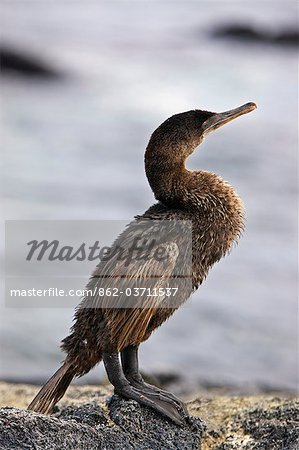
176,138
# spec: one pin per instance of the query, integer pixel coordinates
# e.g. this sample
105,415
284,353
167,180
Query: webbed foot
161,401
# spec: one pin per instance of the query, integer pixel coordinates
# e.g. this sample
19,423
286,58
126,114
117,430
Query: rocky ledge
92,418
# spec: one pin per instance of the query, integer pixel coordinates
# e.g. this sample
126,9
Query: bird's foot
171,397
155,399
139,383
129,384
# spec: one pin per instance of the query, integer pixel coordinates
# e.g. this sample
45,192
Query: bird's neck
176,187
166,179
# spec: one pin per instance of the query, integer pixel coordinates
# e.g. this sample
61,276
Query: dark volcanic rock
160,433
131,426
89,414
249,423
247,33
277,428
84,421
24,64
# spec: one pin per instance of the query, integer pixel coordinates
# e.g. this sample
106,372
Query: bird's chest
212,238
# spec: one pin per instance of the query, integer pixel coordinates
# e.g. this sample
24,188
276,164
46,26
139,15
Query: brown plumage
199,200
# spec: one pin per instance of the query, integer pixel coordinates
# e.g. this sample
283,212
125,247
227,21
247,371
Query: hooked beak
219,119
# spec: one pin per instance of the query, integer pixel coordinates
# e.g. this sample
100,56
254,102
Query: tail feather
53,390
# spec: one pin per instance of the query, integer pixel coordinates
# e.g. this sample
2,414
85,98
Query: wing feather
127,316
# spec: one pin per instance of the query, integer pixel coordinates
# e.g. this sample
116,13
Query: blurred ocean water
73,149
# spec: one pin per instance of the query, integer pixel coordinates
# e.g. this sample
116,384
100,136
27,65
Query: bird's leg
129,359
124,388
